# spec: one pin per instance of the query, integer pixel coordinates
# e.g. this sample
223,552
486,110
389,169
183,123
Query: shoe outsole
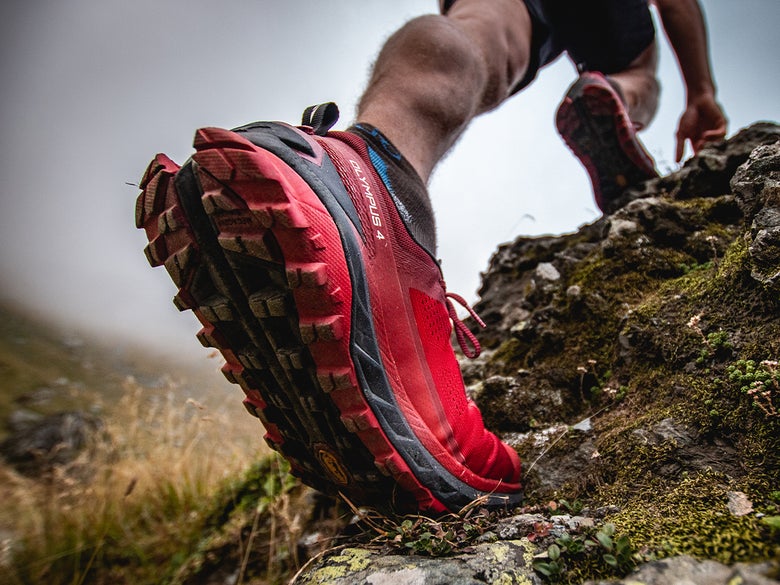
237,283
597,129
251,254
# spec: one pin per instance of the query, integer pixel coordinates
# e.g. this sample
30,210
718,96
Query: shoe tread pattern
602,138
227,261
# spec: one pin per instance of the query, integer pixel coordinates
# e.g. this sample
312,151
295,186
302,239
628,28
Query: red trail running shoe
595,125
290,249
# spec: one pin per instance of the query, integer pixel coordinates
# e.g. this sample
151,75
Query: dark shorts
598,35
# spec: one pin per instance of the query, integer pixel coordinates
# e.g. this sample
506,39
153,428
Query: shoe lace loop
466,339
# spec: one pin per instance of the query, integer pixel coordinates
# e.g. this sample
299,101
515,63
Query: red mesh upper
414,329
482,451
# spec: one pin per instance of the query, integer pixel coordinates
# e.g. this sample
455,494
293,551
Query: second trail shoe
298,255
593,122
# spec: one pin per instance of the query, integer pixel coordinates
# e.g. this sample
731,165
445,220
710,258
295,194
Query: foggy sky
91,90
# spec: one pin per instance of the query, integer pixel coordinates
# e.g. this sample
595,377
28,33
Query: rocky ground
633,365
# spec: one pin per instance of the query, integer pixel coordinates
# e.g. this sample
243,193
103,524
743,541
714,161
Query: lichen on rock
499,563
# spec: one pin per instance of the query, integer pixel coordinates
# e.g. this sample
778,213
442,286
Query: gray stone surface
685,570
499,563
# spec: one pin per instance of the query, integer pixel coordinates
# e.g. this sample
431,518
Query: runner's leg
438,72
639,86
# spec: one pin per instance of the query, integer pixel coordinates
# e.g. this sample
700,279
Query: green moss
510,351
692,518
264,481
667,508
670,313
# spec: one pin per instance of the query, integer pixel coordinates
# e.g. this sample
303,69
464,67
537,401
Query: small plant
713,241
773,522
616,551
274,503
716,343
604,547
718,339
583,371
759,381
554,567
693,323
687,268
428,538
574,507
601,384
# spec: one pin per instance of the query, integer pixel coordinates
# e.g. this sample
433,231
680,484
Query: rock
617,309
739,504
504,563
37,444
685,570
708,174
757,185
547,271
666,431
519,526
619,228
22,419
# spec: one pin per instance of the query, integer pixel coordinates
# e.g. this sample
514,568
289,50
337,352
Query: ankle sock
404,185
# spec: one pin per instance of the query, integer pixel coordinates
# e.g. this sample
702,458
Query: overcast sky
92,89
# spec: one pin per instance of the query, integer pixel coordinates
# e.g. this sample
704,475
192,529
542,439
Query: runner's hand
703,121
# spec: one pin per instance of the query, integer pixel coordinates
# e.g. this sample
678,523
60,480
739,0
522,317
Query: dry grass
133,506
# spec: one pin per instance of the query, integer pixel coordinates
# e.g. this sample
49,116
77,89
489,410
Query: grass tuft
133,506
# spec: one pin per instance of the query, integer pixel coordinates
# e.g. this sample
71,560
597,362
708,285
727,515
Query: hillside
632,364
47,367
111,456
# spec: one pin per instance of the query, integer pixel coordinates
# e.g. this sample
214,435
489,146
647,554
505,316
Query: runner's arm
703,119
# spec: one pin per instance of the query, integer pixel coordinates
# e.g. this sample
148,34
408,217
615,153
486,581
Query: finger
714,135
680,148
